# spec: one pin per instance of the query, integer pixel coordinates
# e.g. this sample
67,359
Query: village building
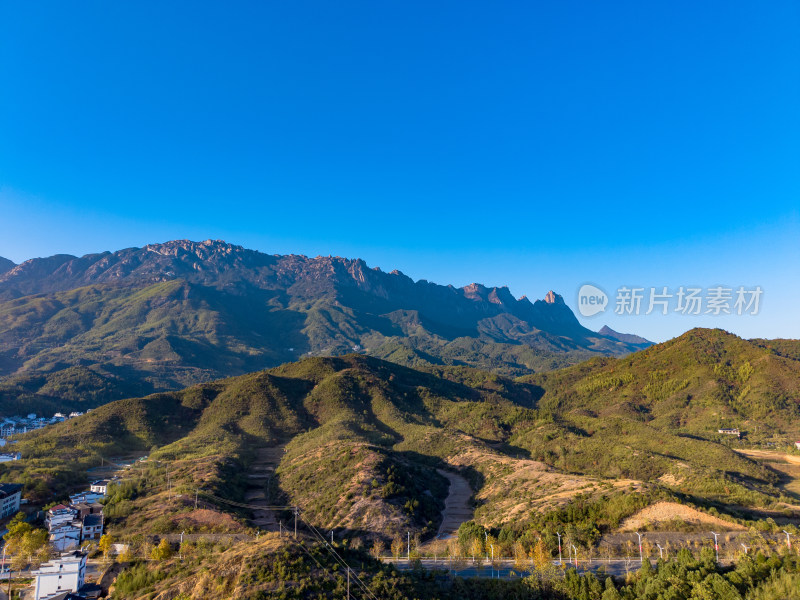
10,497
64,574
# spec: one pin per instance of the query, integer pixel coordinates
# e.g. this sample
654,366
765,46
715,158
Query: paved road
505,569
457,508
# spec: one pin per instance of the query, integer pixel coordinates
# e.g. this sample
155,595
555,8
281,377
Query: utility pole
641,556
295,522
348,583
408,547
575,551
716,545
560,562
331,537
788,539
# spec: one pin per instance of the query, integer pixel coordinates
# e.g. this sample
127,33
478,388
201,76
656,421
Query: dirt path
260,479
457,507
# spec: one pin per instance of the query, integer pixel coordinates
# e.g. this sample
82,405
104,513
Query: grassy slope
363,437
651,415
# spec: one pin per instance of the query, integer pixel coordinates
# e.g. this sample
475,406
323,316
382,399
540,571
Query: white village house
88,497
9,456
66,536
10,496
60,514
64,574
100,486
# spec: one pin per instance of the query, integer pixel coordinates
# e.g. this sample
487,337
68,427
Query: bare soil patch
664,512
515,487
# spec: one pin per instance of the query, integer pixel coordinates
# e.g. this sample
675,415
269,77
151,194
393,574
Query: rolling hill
362,440
169,315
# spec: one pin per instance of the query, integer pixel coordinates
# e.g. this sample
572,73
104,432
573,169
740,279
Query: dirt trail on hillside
260,479
457,507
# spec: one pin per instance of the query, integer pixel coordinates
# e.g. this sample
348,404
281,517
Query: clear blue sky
538,145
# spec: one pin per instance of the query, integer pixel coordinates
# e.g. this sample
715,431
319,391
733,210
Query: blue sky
536,145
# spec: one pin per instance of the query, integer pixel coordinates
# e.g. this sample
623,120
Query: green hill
363,438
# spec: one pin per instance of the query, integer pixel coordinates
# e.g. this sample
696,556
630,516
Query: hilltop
79,331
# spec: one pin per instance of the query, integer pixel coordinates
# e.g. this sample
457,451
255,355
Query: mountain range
114,324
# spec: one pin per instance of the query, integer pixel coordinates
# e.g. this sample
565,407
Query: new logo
591,300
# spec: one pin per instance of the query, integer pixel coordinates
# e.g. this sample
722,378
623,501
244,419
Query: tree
476,548
378,548
397,547
126,555
520,557
106,544
24,544
163,551
611,593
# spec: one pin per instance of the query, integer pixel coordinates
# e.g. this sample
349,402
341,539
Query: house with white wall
64,574
10,497
100,486
66,536
59,514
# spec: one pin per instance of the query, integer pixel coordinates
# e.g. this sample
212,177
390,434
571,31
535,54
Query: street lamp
560,562
745,548
660,551
641,556
788,540
575,551
716,545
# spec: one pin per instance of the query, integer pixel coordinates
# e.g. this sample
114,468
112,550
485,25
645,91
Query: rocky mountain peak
552,298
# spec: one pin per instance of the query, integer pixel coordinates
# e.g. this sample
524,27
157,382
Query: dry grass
516,487
664,512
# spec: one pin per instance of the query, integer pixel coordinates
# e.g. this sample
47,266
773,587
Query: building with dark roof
10,496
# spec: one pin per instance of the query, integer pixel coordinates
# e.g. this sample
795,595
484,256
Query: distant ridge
627,338
173,314
6,265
